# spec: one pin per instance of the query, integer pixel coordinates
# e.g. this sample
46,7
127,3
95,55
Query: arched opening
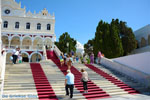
8,60
25,57
137,44
5,41
26,43
5,25
143,42
36,57
48,43
17,25
38,26
15,41
38,43
48,27
148,39
27,25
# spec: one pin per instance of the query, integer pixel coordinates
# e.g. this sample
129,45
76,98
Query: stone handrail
57,51
2,72
44,53
127,70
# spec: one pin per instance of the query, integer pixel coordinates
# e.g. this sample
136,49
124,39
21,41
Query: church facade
26,30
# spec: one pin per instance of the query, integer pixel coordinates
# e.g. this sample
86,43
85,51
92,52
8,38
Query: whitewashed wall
129,71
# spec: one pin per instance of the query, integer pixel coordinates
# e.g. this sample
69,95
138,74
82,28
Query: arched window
143,42
148,39
38,26
17,25
48,27
27,25
5,24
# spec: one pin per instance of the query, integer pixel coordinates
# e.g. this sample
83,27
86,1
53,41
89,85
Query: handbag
11,58
83,80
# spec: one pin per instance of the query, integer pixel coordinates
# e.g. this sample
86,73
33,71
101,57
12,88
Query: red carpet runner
43,87
94,92
117,82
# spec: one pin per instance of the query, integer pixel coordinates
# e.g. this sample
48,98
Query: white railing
57,51
44,53
27,47
2,72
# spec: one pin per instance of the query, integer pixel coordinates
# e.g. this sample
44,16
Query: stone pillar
21,45
44,53
9,43
32,44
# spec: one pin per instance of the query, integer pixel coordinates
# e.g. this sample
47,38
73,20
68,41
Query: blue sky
80,17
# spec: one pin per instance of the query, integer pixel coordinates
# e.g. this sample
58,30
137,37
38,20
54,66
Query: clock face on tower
7,11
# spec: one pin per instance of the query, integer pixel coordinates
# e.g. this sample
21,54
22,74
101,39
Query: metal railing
2,71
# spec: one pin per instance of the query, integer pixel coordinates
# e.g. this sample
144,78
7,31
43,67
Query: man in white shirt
69,83
15,55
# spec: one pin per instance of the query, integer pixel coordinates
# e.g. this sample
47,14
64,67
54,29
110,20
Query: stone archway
35,57
25,57
26,42
143,42
48,42
148,39
5,40
15,41
38,43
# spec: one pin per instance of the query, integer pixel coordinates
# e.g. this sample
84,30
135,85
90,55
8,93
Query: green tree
114,39
62,43
98,40
127,37
88,47
116,43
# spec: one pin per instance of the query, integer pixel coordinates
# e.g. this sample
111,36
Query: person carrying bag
84,79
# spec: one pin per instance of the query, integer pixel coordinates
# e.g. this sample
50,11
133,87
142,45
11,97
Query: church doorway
148,39
25,57
36,57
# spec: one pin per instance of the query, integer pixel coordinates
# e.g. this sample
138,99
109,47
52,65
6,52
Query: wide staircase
19,83
45,81
104,82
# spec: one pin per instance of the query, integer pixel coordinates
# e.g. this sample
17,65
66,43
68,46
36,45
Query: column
32,44
9,43
21,45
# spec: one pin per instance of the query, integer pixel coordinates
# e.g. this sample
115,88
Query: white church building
79,49
29,31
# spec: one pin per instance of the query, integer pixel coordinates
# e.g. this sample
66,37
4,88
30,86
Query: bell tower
44,12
